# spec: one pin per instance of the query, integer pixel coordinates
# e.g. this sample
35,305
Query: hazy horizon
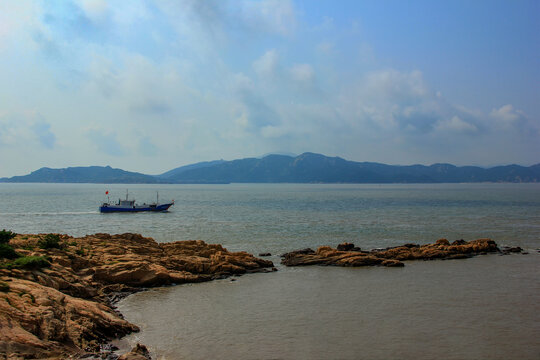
149,86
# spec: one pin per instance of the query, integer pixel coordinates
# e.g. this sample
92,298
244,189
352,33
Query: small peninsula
57,292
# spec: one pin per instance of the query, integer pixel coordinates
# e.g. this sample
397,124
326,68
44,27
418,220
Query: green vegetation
7,252
6,235
50,241
29,247
4,287
30,262
80,251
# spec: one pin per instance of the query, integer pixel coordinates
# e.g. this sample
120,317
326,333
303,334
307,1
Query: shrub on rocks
6,235
50,241
7,252
31,262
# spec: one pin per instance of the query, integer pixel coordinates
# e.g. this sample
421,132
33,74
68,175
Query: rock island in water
347,254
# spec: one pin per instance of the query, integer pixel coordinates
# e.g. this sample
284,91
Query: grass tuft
50,241
30,262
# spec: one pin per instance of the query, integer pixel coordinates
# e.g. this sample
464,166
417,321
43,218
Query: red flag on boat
107,192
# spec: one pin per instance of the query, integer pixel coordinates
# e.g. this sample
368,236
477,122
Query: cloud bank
149,86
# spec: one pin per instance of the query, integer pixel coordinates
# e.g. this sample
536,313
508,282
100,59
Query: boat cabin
126,202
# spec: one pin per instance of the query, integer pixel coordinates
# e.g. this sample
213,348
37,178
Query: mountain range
304,168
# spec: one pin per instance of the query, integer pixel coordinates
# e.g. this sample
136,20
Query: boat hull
136,208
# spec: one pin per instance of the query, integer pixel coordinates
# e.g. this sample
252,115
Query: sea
487,307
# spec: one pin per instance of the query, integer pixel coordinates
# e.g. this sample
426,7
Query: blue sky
151,85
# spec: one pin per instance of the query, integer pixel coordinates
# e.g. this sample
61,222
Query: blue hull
114,208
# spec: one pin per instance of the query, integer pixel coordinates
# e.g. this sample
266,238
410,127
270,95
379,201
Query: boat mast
126,194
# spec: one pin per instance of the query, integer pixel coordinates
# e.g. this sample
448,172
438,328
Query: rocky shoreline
347,254
63,305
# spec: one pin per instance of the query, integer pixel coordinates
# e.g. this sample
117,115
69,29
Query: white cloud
396,86
325,47
146,147
267,64
210,79
44,135
302,72
7,133
242,81
94,9
272,131
506,115
105,142
456,124
27,127
276,16
392,100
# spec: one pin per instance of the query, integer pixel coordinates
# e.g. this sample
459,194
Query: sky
148,86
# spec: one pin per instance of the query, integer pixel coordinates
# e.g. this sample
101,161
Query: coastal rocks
67,309
509,249
139,352
347,247
348,255
38,321
392,263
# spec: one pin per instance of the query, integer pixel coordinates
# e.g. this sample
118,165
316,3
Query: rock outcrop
347,254
139,352
67,309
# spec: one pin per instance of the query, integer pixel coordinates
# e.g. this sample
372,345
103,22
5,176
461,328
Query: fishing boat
130,205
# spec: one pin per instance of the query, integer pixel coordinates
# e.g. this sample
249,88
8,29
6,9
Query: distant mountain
279,153
305,168
176,172
89,174
316,168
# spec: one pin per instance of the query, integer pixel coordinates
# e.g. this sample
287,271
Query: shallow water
484,307
481,308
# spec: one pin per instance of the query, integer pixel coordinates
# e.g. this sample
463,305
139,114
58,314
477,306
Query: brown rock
392,263
441,249
40,321
345,247
442,242
139,352
508,249
65,309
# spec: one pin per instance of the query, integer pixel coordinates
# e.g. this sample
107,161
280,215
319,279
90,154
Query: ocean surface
487,307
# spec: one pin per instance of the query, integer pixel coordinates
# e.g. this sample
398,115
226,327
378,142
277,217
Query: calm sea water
481,308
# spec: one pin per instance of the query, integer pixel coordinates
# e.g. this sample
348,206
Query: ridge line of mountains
305,168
